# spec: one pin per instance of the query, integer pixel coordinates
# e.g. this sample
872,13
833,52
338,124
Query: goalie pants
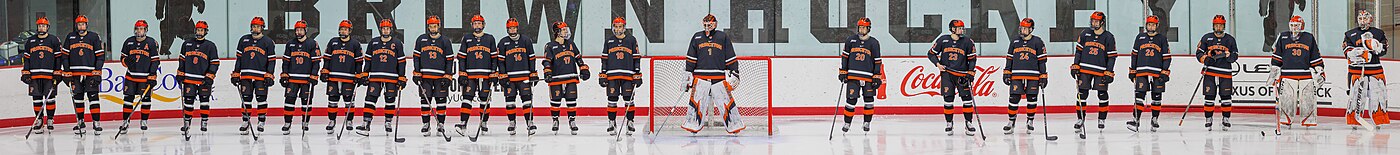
706,95
1367,96
1297,100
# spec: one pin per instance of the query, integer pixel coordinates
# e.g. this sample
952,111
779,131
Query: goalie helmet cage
669,99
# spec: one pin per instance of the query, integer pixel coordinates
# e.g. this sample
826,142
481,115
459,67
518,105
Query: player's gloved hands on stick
1108,77
284,82
26,79
584,75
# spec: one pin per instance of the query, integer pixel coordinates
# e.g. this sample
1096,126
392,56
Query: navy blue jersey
1094,54
563,62
84,54
1025,59
1296,55
621,59
198,62
139,58
1372,66
1151,56
384,61
302,61
433,58
477,58
517,60
710,55
957,56
343,60
860,59
41,59
254,58
1217,54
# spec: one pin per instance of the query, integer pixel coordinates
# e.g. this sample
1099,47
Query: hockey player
955,55
1025,74
433,72
42,68
252,73
1093,67
564,66
1364,46
517,63
476,64
1217,52
85,55
343,61
709,57
299,67
385,66
140,58
1297,71
862,71
621,73
198,63
1151,69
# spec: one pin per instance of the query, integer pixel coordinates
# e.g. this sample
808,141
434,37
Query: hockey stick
349,118
38,120
666,122
1191,101
980,132
397,139
481,124
136,104
306,113
830,133
1046,120
249,123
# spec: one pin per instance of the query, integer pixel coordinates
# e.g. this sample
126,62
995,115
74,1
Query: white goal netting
669,97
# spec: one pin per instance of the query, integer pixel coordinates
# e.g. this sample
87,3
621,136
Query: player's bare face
864,30
43,29
385,31
619,29
256,29
477,27
956,30
344,32
433,29
1152,28
140,31
513,31
82,26
1096,24
1219,28
1026,31
199,33
301,32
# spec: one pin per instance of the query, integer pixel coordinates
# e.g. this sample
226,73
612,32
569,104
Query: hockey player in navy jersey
1217,53
1025,74
1149,71
862,71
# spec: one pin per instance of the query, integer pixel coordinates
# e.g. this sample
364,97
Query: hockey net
670,98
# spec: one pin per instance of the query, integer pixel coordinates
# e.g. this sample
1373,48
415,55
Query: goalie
709,57
1297,73
1364,45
